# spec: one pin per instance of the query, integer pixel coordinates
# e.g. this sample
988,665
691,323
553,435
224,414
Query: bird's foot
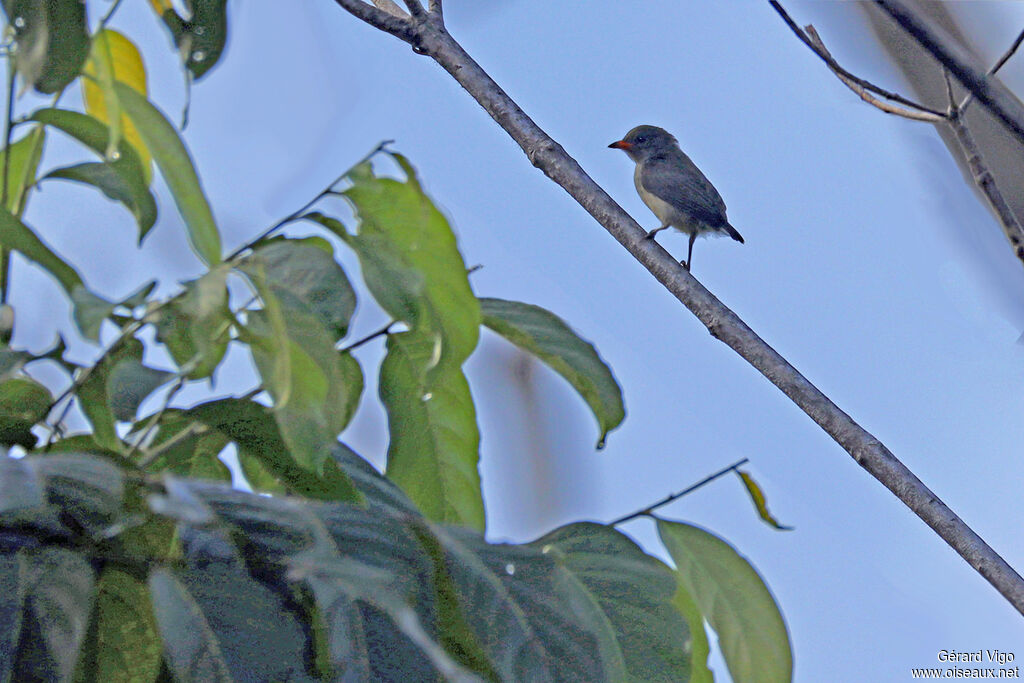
650,235
684,264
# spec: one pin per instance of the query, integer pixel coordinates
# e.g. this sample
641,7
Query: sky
869,264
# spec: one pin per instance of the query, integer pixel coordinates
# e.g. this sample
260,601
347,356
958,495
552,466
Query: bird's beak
621,144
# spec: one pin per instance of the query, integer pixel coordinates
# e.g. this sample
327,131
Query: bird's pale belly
664,211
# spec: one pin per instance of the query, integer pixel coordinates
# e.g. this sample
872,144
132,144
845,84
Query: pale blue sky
868,264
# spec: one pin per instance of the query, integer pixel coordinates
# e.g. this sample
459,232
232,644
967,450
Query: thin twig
999,100
155,419
995,68
431,38
370,337
863,93
297,214
982,177
845,75
676,496
150,456
109,15
5,252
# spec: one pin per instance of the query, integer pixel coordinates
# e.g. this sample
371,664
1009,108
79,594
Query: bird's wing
673,178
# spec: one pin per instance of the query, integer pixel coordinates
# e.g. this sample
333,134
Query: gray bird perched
673,187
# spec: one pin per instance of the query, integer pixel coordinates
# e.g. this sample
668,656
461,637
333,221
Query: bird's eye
641,139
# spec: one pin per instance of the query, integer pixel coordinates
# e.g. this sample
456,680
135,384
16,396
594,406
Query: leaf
634,593
124,643
315,388
88,492
434,449
114,389
735,601
195,325
310,274
202,37
218,624
89,312
21,172
122,179
547,337
52,41
378,491
176,166
699,648
191,455
17,236
532,623
757,498
59,596
411,262
113,56
117,185
12,602
254,429
23,403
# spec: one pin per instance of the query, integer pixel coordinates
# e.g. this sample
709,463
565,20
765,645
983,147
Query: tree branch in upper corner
429,37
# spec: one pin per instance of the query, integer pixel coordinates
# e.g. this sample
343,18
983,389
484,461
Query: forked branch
428,36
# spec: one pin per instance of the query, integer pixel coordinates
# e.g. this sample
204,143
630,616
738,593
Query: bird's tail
733,233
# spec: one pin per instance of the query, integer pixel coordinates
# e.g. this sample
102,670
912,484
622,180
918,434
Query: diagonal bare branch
1003,104
435,7
996,67
723,324
415,8
843,74
398,26
907,113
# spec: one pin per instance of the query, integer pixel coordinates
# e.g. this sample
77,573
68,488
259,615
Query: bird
673,187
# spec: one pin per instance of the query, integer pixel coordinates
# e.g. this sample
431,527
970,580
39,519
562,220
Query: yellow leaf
161,6
114,57
757,497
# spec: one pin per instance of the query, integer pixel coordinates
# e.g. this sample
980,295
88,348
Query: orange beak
621,144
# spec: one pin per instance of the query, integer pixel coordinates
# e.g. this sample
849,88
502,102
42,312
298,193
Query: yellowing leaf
757,498
114,57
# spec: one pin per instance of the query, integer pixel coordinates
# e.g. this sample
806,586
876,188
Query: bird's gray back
671,176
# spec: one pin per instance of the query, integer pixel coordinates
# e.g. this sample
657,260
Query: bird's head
643,141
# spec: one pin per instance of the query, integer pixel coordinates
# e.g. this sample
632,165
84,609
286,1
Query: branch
982,176
855,83
400,27
936,40
646,512
919,114
995,68
431,38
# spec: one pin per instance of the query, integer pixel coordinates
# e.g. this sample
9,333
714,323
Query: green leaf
699,648
634,593
757,498
88,492
200,38
23,403
310,274
124,645
174,162
17,236
21,489
59,595
116,184
114,389
435,442
411,262
122,179
12,604
89,312
21,172
218,624
52,41
315,388
379,491
735,601
547,337
189,455
253,428
113,56
531,619
195,325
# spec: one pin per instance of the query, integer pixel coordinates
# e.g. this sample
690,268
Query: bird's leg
689,253
652,233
